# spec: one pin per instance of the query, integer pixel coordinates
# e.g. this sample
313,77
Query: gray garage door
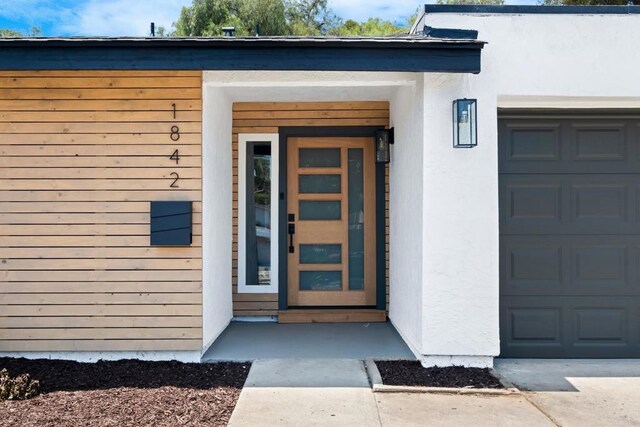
569,234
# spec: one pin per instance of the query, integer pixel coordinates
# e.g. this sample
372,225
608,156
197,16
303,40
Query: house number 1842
175,136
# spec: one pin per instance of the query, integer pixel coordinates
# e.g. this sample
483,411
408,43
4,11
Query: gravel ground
125,393
411,373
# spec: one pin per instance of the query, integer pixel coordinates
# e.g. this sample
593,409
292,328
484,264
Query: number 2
173,184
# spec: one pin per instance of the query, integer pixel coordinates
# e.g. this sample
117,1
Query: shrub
17,388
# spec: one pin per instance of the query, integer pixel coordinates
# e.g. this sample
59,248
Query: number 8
175,133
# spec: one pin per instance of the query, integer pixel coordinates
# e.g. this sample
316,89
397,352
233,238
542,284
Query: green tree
589,2
311,17
5,32
498,2
207,17
371,27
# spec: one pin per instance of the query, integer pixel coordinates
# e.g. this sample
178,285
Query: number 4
175,156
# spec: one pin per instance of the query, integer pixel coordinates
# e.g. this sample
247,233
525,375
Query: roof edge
533,10
410,42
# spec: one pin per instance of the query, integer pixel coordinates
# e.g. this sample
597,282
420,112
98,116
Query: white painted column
460,230
405,215
217,223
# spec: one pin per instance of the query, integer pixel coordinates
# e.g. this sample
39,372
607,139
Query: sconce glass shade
383,151
465,123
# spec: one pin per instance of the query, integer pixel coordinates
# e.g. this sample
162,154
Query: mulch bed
411,373
125,393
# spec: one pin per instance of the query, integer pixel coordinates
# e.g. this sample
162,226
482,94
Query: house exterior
153,190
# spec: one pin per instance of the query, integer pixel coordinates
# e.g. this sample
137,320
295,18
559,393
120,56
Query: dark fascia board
545,10
412,54
450,33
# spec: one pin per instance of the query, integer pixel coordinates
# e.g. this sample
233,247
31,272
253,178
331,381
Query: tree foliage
33,32
274,18
370,27
5,32
310,17
207,17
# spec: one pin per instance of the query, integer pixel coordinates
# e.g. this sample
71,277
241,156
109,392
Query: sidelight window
257,213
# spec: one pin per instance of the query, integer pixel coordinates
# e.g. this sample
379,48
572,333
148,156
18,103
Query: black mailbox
170,223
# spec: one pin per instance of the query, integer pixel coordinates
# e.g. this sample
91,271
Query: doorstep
332,316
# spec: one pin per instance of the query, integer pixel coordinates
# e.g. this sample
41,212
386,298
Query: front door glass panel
321,280
320,254
320,158
320,184
320,210
356,219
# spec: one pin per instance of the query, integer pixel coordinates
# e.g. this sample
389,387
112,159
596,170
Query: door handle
292,231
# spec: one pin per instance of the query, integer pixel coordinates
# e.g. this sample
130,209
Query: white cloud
123,17
42,13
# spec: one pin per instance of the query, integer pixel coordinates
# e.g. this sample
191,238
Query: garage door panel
570,265
530,265
569,235
569,327
527,142
599,142
568,146
570,204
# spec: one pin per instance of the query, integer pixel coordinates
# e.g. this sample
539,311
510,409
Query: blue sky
132,17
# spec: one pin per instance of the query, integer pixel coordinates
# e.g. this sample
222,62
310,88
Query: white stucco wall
217,223
460,217
405,215
531,61
556,56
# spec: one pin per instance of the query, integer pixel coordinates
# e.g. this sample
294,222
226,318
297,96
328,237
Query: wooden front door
331,221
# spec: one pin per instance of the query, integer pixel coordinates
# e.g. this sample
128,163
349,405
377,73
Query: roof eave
406,54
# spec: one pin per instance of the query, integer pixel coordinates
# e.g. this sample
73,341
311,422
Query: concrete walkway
336,392
326,392
579,392
306,392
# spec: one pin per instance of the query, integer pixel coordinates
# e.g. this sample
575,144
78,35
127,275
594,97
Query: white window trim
273,139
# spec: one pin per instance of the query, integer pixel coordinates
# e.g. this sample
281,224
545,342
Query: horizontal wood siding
81,156
266,117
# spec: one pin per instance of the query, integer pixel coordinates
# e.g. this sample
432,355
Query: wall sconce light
465,123
384,138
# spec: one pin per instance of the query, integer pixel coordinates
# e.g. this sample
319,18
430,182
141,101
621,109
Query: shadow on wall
64,375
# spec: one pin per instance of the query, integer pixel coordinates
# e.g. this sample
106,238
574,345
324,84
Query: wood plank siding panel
82,153
266,117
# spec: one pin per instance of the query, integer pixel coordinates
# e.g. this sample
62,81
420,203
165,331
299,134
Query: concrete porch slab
243,341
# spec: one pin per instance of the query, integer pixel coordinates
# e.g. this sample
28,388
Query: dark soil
411,373
125,393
